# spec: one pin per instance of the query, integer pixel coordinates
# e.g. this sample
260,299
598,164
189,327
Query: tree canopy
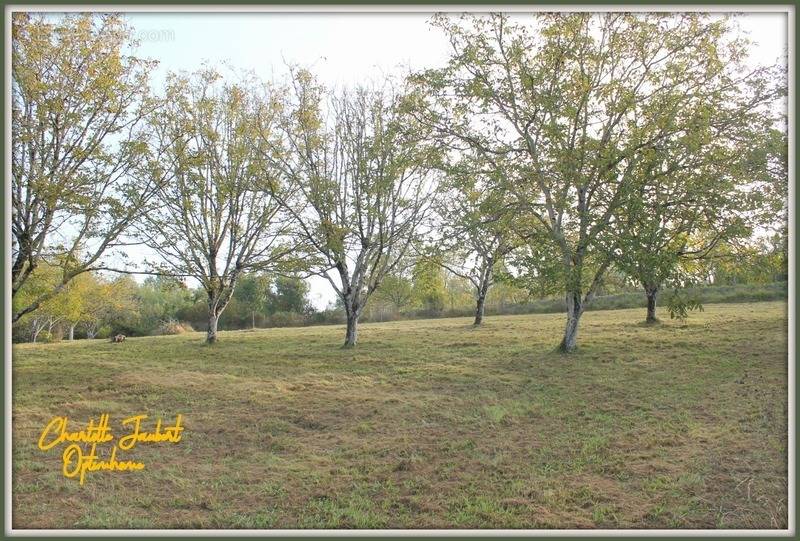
78,105
577,103
566,153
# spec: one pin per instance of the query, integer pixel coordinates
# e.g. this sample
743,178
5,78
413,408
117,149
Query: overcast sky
341,48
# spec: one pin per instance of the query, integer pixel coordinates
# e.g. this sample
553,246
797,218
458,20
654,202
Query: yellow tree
77,104
50,311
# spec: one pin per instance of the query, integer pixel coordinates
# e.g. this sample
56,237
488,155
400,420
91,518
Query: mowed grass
426,424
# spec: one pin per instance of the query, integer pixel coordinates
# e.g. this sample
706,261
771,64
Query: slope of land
426,424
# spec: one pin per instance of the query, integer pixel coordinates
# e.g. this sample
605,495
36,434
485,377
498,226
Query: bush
328,317
106,331
286,319
46,337
172,326
632,299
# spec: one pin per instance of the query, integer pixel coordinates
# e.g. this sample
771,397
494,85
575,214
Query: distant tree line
567,156
100,306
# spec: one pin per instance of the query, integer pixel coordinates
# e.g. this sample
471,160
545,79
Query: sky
341,48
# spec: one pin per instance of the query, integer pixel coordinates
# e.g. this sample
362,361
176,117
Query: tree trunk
481,303
91,330
211,335
217,302
253,314
351,336
574,311
483,290
652,293
72,332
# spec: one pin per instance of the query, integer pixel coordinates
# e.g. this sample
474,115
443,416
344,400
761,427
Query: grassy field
427,424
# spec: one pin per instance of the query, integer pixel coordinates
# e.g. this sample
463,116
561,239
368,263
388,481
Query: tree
109,303
77,103
576,102
505,291
41,280
159,299
428,284
359,186
75,300
768,164
89,301
695,192
290,294
476,232
396,290
757,262
253,293
216,218
459,291
685,202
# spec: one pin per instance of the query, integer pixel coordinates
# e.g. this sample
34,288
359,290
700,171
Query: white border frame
482,8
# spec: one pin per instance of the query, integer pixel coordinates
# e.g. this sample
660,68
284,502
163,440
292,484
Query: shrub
172,326
286,319
104,332
46,337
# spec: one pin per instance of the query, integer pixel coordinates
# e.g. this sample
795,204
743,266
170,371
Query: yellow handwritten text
171,434
92,434
77,462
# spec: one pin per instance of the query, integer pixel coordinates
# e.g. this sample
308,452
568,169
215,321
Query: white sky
342,48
